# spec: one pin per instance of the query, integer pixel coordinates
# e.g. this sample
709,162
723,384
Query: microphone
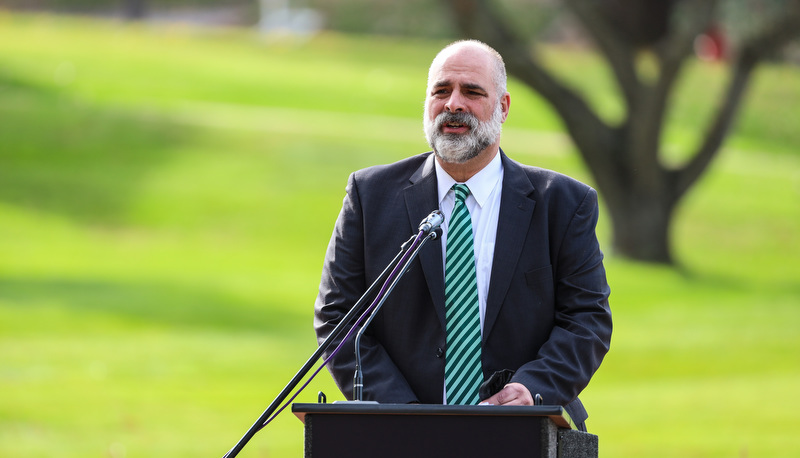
431,222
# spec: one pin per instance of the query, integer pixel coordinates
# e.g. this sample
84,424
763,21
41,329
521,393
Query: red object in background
711,46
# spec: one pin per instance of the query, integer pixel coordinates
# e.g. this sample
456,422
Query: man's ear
505,104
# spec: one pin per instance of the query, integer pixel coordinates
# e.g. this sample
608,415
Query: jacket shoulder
545,182
401,170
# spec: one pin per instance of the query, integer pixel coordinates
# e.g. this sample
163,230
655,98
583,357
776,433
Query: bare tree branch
477,19
776,35
740,78
619,53
646,117
760,46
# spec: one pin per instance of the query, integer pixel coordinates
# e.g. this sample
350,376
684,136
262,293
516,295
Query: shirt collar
480,185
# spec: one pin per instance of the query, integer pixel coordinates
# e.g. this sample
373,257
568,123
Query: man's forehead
467,48
464,55
466,65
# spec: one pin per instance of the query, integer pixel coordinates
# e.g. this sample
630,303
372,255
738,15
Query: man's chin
454,157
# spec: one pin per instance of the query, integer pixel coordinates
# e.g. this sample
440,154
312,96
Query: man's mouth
455,123
455,128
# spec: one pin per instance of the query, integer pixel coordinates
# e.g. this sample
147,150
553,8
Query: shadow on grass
65,156
95,303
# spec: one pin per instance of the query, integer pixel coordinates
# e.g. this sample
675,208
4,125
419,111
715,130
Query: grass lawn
167,193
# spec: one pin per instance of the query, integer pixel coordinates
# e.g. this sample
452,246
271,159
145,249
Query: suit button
439,352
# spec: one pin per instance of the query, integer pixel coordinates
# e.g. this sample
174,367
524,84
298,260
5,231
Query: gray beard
457,148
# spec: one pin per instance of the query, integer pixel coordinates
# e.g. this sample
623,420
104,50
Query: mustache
460,117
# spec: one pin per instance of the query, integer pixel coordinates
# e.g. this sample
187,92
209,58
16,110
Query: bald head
477,50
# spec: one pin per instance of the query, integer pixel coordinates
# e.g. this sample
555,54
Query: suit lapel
516,210
421,199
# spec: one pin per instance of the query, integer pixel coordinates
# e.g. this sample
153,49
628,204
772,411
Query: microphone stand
358,378
345,323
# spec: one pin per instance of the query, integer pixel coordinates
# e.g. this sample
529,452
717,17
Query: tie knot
462,191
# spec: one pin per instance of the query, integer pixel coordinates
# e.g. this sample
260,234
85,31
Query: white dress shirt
483,204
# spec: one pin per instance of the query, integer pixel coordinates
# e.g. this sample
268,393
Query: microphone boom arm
429,229
345,322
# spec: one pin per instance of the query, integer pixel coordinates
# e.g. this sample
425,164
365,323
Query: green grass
166,196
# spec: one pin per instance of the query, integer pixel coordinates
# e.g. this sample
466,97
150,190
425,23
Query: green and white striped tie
463,374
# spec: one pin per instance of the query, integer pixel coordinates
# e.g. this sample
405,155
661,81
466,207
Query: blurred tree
134,9
420,18
625,159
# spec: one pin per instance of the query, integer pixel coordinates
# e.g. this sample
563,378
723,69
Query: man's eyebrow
474,86
447,83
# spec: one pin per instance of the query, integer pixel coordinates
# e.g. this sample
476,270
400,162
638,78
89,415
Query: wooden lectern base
356,430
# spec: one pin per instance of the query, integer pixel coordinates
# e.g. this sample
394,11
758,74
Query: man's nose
455,103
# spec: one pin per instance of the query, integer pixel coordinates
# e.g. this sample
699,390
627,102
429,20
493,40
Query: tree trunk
642,227
134,10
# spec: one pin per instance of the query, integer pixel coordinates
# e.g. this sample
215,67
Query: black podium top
556,413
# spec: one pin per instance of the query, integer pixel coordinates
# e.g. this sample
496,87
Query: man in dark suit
540,281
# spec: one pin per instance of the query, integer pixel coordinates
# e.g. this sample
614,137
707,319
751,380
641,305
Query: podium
356,430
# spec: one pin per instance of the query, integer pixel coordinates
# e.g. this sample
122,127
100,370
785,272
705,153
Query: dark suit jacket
547,314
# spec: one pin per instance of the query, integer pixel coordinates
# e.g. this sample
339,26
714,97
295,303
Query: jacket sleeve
581,333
